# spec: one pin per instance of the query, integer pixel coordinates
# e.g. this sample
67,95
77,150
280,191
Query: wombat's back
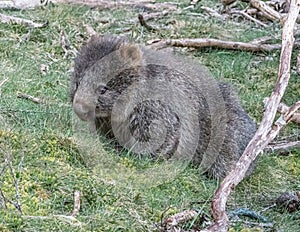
166,102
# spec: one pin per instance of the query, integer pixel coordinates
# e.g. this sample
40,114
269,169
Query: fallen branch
28,97
266,10
213,13
203,42
283,109
282,148
4,200
265,132
155,15
247,16
11,19
8,163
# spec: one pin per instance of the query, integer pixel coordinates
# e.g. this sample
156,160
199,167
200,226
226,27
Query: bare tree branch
266,10
206,42
244,13
283,109
265,132
282,148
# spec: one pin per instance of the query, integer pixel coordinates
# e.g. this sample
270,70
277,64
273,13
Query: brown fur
108,66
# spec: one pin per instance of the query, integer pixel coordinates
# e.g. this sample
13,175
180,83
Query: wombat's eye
102,89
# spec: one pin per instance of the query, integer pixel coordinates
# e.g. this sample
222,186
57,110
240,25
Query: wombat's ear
131,54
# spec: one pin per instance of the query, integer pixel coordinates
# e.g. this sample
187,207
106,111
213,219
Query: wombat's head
103,80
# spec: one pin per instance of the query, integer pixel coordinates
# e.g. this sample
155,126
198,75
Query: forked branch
266,132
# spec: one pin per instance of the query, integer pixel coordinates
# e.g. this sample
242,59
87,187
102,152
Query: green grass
115,195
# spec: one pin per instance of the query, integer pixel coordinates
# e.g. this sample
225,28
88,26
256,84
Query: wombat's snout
85,111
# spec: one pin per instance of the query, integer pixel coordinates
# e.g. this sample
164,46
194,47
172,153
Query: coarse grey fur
113,78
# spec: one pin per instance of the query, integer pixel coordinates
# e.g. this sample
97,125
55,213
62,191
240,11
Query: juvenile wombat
159,104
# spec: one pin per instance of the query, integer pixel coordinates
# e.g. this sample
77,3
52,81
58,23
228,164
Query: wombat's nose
84,111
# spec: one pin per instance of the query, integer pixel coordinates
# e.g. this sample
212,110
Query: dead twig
4,200
247,16
282,148
193,3
262,40
283,109
267,11
213,13
29,97
265,132
155,15
206,42
144,24
179,218
11,19
76,203
66,45
1,84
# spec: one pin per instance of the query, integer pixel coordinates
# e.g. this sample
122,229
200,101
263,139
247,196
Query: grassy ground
115,197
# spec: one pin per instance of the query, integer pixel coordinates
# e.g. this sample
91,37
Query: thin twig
76,203
15,181
179,218
283,108
213,12
144,24
11,19
206,42
282,148
1,84
29,97
247,16
4,200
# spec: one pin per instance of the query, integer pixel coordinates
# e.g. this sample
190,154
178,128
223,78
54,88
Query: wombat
159,104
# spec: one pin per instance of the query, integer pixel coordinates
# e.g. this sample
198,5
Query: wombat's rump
159,104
